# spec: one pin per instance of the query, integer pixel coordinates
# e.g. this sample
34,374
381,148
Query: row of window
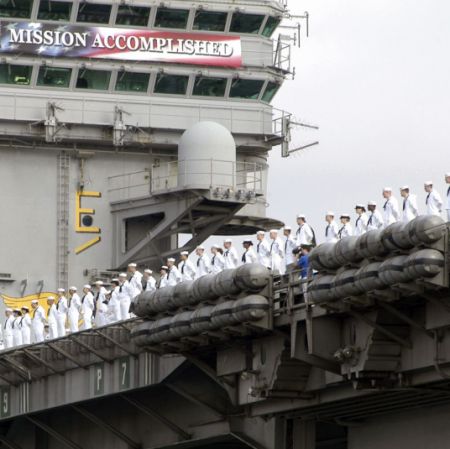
100,80
139,16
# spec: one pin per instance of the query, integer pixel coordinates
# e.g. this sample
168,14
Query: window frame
43,86
189,85
258,33
268,17
188,20
30,17
228,14
22,86
79,4
81,89
248,79
35,13
226,91
115,79
263,90
116,14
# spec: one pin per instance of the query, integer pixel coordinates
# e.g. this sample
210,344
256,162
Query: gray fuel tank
425,263
252,277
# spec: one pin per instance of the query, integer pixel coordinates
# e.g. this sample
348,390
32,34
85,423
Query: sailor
163,281
289,247
173,274
217,260
447,180
263,249
114,303
248,255
410,209
61,315
361,220
433,200
276,253
100,303
135,280
26,325
87,307
332,228
375,220
390,208
148,281
186,267
52,318
203,263
38,321
346,229
8,337
305,234
17,327
125,292
74,309
230,254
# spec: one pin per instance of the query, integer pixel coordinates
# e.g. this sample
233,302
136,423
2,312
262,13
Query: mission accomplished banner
73,41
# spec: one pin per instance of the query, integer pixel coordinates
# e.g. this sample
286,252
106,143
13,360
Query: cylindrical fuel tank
201,319
202,289
345,285
252,277
322,257
183,294
222,314
250,308
367,278
143,304
370,245
345,251
224,283
160,331
140,332
424,263
426,229
162,300
395,237
320,289
391,271
180,325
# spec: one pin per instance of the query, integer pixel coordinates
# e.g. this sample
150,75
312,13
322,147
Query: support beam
89,348
53,433
157,416
106,426
37,359
8,443
23,373
67,355
115,342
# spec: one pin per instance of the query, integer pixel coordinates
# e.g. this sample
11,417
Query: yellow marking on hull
17,303
87,245
79,211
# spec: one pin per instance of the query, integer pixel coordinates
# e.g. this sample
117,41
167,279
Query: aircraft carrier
125,125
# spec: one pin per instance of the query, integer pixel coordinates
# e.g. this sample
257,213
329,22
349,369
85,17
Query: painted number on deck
124,373
99,379
5,405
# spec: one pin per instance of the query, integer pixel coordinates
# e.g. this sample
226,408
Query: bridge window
171,18
132,15
93,13
171,84
15,74
210,21
16,8
270,26
210,87
54,10
54,76
132,82
246,23
249,89
93,79
270,91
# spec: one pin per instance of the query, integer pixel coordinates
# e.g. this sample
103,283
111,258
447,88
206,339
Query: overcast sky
375,76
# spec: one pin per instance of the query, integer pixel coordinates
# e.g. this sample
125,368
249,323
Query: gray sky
375,76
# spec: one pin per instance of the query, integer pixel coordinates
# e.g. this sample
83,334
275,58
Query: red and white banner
122,44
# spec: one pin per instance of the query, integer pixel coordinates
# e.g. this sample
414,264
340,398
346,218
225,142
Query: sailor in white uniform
101,307
114,303
263,249
289,246
52,318
124,294
148,281
332,228
163,281
447,180
249,255
62,309
37,322
87,307
305,234
135,280
346,229
73,313
410,209
277,263
186,267
361,220
217,260
203,262
375,220
173,275
8,337
26,325
17,327
391,212
433,200
230,254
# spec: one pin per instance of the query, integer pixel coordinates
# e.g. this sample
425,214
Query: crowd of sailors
282,251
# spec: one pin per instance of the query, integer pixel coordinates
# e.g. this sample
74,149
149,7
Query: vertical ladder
62,257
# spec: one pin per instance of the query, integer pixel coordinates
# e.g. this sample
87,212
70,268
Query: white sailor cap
275,231
330,213
371,203
73,288
16,309
50,298
184,253
132,265
114,280
148,271
288,228
406,187
428,183
8,309
260,233
170,259
228,241
447,175
25,308
302,216
87,286
216,246
345,215
61,290
164,267
200,247
387,189
123,275
98,282
360,206
34,301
